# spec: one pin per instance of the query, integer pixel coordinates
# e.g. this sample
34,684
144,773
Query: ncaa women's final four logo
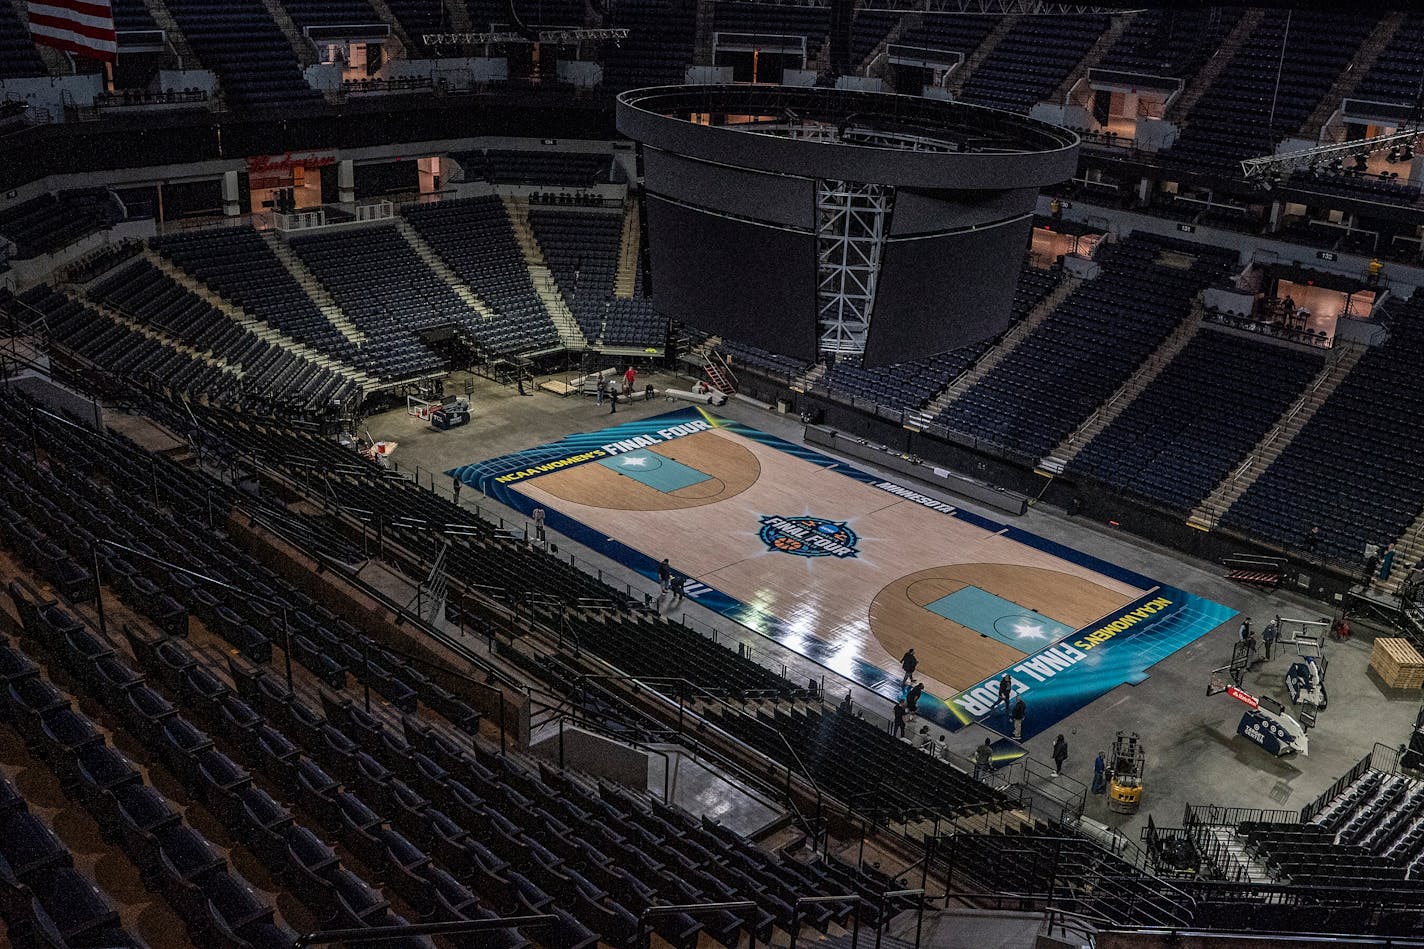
808,536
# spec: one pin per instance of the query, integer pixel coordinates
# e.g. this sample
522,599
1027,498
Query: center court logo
808,536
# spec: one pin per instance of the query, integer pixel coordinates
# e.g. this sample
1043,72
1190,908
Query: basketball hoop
419,408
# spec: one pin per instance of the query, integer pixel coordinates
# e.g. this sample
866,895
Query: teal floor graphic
654,470
1001,619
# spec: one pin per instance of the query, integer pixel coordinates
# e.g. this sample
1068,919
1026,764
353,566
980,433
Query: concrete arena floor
1193,752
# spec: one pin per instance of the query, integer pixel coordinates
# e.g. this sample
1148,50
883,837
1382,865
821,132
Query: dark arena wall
734,180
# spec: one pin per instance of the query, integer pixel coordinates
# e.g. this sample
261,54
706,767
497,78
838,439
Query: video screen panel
751,283
936,294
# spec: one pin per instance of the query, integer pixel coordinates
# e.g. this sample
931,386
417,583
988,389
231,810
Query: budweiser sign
269,164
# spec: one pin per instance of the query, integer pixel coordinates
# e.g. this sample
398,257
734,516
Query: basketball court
850,569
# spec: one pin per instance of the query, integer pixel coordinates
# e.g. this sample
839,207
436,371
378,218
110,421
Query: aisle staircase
808,378
262,330
1141,377
306,52
442,270
144,329
163,19
703,49
1203,79
1346,83
318,294
544,285
876,57
974,60
386,16
1342,360
1006,344
1116,25
1409,549
625,281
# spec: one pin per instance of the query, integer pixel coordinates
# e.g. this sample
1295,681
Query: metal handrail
326,937
812,826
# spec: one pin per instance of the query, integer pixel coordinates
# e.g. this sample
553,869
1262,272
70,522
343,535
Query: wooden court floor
871,606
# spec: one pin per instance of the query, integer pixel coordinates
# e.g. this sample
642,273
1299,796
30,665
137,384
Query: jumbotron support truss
850,238
1261,169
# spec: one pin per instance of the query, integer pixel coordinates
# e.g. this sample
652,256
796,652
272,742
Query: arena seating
132,15
860,763
960,34
1394,77
1350,470
905,385
239,40
581,250
53,221
117,351
739,355
633,323
909,385
870,29
306,13
1386,186
1087,347
214,901
1229,123
762,21
18,57
598,617
1032,59
487,13
1171,42
475,239
143,293
384,287
43,899
453,830
1045,857
659,44
1197,420
237,264
543,168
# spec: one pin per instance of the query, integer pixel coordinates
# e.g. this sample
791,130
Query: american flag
81,27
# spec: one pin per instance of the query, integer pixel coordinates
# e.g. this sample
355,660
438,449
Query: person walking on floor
665,575
1006,694
455,489
1100,773
897,726
1020,710
983,760
539,524
1060,754
629,377
912,698
1245,630
1250,649
612,402
909,662
602,389
1270,634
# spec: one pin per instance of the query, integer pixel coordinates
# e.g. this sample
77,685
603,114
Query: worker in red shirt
629,378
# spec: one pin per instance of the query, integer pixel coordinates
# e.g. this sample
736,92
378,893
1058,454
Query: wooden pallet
1398,663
